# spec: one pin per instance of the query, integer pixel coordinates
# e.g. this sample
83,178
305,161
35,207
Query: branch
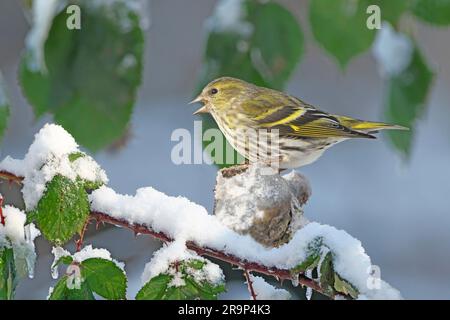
248,266
279,274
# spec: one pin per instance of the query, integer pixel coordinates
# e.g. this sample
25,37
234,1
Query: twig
248,266
2,217
79,242
10,177
250,284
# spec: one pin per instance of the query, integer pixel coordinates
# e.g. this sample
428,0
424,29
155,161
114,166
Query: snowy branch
279,274
258,223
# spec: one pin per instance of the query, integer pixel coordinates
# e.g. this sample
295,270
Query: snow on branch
170,219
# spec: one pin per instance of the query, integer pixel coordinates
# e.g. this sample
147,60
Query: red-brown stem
2,217
249,266
10,177
79,242
250,288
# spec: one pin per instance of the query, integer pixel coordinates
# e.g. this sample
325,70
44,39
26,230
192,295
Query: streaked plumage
304,131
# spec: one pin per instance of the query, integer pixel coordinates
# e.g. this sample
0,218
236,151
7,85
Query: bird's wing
300,120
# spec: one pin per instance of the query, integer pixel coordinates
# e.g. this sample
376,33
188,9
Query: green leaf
345,287
63,209
92,73
105,278
8,278
175,293
406,101
326,273
340,26
436,12
4,107
203,290
391,10
155,288
62,292
276,45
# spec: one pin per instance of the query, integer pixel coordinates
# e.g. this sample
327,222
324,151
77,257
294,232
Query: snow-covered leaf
8,279
182,280
105,278
340,27
246,53
89,85
436,12
62,292
406,100
63,209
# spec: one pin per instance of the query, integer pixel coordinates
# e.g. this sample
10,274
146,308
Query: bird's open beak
203,109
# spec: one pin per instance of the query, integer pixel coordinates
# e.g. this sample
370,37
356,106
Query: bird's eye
213,91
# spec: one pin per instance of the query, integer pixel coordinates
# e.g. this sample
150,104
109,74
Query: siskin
303,132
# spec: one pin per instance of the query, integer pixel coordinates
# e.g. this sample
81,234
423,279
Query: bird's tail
367,126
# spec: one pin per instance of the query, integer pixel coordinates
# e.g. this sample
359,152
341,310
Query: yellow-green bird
304,132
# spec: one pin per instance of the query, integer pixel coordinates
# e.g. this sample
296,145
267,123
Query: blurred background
398,207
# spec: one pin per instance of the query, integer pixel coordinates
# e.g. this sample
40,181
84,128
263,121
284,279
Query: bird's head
218,95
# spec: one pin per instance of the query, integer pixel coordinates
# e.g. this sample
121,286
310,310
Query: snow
87,252
229,16
13,166
43,12
261,203
47,157
163,263
180,218
14,228
139,7
265,291
21,238
392,50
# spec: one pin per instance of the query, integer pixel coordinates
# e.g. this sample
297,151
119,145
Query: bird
288,130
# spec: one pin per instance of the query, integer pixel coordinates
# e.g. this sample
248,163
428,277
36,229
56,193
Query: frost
392,50
265,291
47,157
180,218
229,16
163,263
